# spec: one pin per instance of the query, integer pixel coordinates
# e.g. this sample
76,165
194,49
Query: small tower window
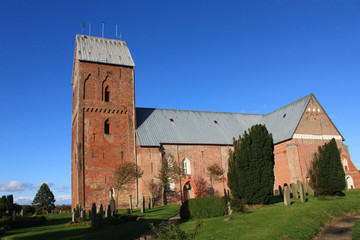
107,126
107,94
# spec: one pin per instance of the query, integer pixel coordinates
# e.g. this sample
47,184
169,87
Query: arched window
107,126
186,166
345,164
107,94
349,182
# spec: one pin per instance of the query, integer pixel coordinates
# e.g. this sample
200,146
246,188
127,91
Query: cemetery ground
54,227
273,221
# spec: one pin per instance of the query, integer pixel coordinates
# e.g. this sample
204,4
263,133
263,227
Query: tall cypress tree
251,166
327,177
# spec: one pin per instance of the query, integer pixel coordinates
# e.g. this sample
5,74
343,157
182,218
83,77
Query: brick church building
108,130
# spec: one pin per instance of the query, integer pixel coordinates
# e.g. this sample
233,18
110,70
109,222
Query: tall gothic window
107,94
107,126
186,166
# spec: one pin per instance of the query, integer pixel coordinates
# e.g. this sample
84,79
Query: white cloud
24,200
62,188
15,186
63,199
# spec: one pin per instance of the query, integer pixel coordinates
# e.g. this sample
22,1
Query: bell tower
103,117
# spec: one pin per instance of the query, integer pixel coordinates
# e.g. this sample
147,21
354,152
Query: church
109,130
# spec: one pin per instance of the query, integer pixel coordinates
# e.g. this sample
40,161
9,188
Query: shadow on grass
128,230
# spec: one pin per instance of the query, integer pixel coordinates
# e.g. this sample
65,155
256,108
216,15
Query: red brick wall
95,155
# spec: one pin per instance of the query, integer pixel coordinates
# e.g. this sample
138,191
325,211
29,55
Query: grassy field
54,228
298,221
356,231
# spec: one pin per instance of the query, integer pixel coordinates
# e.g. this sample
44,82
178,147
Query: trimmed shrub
203,207
24,222
29,210
237,205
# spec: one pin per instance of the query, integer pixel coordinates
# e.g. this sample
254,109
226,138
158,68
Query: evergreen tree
44,199
251,166
327,177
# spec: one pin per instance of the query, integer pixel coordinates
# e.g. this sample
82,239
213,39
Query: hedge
204,207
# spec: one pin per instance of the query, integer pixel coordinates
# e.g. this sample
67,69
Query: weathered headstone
151,203
22,212
101,213
73,219
81,213
112,202
13,216
287,200
302,193
211,190
130,203
93,216
108,212
310,191
128,212
88,214
142,204
294,190
280,190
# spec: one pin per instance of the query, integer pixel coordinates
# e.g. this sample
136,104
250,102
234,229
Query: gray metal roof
102,50
157,126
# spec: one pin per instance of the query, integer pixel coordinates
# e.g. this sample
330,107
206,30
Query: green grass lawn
356,230
298,221
54,228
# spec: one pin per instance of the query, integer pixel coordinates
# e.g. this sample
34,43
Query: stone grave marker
13,216
281,191
151,203
73,217
287,201
294,190
142,204
130,203
310,191
302,192
211,191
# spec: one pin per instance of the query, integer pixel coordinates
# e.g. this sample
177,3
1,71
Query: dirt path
340,230
151,235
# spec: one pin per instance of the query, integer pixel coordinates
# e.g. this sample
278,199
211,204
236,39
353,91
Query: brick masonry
95,154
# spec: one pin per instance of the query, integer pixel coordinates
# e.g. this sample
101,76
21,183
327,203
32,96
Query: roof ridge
184,110
294,102
87,36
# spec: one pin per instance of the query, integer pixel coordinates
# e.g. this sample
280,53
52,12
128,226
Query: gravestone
128,212
151,202
73,217
95,218
309,189
101,213
88,214
81,213
13,216
22,212
211,191
130,203
108,212
302,193
287,201
294,190
112,202
142,204
281,191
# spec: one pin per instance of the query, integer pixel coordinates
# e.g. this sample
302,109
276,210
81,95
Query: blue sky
235,56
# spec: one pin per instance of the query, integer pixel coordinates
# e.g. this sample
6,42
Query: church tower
103,117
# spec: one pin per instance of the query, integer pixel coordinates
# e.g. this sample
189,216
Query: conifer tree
327,177
44,199
251,166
